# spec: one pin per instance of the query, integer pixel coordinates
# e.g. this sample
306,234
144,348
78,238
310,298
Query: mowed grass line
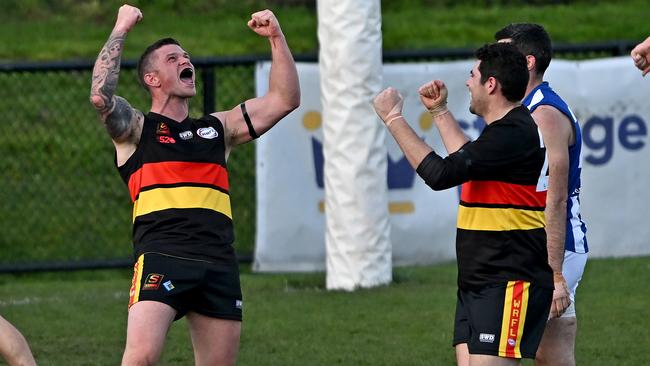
290,319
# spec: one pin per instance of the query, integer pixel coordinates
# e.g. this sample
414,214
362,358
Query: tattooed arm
123,122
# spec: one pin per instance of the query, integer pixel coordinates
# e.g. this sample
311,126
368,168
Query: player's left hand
561,297
265,24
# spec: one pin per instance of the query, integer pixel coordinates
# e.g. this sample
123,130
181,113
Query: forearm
413,147
283,79
106,72
555,214
451,133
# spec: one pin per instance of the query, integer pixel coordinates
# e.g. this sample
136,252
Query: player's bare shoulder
553,124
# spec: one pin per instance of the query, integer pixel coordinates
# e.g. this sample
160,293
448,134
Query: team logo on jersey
168,285
207,132
186,135
166,140
162,129
152,282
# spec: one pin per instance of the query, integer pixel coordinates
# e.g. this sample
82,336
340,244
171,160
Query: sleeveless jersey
178,182
576,239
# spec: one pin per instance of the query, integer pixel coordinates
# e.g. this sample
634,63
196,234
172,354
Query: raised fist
433,96
265,24
388,104
127,16
641,56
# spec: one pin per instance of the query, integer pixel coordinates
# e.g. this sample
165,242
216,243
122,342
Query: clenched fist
433,96
127,16
388,105
641,56
265,24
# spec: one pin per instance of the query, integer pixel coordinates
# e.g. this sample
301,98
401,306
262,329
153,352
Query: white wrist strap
391,118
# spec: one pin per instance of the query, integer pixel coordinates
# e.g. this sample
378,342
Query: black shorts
505,320
188,285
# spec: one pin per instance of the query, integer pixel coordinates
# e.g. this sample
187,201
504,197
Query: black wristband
251,130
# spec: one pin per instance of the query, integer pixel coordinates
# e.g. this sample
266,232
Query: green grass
51,33
80,318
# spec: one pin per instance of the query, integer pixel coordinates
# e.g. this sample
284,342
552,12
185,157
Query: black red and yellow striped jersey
500,233
178,181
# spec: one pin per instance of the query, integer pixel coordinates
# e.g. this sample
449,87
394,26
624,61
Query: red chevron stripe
492,192
172,172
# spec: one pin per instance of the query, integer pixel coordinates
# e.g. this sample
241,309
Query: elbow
435,181
290,103
438,186
97,102
556,203
294,102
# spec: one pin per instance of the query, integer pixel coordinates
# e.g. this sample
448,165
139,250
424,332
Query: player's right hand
561,297
388,104
433,96
127,16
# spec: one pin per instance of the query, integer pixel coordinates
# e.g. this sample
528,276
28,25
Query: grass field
80,318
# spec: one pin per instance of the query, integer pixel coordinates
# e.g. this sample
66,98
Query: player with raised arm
176,172
505,284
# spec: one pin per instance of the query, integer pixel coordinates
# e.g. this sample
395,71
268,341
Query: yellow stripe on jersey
134,294
159,199
498,219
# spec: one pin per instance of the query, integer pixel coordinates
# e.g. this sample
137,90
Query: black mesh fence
62,202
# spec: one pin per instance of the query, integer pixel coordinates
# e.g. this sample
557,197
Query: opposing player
565,229
176,172
505,284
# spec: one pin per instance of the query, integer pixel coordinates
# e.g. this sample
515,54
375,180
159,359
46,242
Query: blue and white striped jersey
576,239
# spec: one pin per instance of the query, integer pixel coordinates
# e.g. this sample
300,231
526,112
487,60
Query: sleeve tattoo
115,111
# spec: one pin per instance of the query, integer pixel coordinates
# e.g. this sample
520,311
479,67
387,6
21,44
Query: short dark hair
144,63
531,39
507,64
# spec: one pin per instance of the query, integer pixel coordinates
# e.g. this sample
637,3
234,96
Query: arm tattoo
120,119
106,72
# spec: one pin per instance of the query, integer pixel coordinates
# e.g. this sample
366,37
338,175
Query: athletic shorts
505,320
188,285
572,270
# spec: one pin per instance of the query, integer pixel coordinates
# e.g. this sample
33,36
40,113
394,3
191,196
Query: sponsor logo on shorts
168,285
207,132
239,304
511,342
186,135
486,338
152,282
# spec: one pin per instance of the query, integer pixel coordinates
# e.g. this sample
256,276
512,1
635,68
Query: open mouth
187,75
